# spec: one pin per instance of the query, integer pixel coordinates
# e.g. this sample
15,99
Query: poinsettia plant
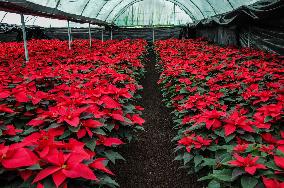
64,112
228,108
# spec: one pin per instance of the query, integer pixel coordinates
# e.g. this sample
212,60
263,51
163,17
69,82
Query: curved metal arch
114,8
197,8
57,4
4,17
211,6
85,7
177,3
230,4
101,9
184,8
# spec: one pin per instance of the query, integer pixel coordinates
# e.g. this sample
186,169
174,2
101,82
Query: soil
149,160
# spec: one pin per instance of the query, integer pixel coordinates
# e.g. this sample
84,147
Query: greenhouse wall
267,36
260,26
15,33
220,35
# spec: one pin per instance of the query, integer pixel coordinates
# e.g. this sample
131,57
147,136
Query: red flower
70,115
240,148
200,141
65,166
11,130
15,156
109,102
212,119
272,183
137,119
99,164
279,161
4,108
249,163
267,149
109,141
235,121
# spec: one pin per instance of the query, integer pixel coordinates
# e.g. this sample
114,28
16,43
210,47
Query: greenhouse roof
125,12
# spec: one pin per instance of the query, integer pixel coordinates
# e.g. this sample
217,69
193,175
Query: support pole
69,35
25,38
153,34
111,34
249,33
90,35
102,35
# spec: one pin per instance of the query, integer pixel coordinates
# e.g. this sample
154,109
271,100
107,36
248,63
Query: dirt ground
149,161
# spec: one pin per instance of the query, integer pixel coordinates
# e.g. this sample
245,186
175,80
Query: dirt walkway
149,161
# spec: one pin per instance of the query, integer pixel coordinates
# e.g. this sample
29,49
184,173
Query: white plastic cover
134,12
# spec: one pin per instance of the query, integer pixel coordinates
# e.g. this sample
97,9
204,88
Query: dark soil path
149,161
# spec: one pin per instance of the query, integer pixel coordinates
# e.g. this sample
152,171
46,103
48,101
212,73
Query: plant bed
228,109
65,111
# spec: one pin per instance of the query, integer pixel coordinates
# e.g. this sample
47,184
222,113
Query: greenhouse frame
141,93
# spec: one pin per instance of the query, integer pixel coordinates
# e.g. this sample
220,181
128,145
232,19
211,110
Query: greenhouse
141,93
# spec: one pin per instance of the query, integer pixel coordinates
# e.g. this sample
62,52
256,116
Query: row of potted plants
64,112
228,109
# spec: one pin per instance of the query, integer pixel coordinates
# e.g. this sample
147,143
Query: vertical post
249,37
90,35
69,35
153,32
25,38
110,33
102,35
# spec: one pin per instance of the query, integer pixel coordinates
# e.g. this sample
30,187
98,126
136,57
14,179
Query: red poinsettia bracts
232,101
64,111
249,163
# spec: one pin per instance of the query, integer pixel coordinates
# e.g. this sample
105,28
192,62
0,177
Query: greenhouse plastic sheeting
26,7
120,12
244,14
260,25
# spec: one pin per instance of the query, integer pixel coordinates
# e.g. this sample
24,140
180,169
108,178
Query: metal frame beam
90,35
25,38
29,8
188,12
69,35
85,7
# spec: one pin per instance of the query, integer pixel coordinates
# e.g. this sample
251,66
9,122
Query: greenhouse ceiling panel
140,12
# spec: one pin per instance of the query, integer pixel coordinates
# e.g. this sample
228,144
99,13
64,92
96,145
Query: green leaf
29,131
248,182
106,180
179,157
91,144
279,153
54,125
268,118
209,177
237,172
34,167
110,127
74,129
65,134
214,184
248,137
15,139
197,160
186,158
223,175
209,162
229,138
99,131
140,128
113,156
